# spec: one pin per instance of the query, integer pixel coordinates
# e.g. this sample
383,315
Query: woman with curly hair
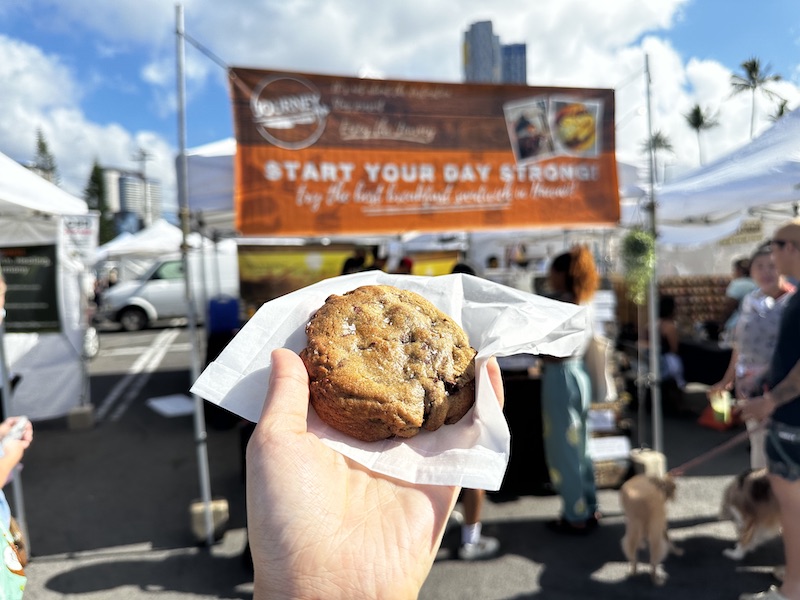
566,397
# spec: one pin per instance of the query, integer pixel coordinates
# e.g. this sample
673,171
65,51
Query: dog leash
698,460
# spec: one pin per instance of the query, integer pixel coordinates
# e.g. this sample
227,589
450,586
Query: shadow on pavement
593,566
198,573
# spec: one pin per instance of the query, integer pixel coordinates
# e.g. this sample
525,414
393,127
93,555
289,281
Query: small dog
748,501
644,503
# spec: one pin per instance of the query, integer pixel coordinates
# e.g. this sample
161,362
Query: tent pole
199,415
655,340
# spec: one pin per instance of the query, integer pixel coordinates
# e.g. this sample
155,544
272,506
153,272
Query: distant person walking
474,545
566,397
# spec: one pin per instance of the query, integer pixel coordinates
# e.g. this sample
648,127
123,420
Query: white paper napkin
499,320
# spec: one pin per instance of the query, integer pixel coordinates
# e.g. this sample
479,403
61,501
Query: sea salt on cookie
386,362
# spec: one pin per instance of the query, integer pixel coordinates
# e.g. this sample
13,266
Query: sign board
31,297
79,234
321,155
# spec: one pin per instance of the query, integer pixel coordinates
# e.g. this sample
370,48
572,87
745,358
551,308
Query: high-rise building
515,63
481,54
487,61
130,200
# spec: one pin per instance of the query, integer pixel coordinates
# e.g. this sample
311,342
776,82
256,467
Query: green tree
659,143
95,196
780,111
700,120
754,78
44,162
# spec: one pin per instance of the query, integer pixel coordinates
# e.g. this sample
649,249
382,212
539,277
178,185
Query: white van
160,293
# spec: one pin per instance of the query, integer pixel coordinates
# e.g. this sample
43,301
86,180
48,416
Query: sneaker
485,547
455,519
771,594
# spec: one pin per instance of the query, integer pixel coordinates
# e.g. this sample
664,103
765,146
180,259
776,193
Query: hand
720,386
14,449
320,524
759,408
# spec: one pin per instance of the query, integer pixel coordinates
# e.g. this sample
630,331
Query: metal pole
655,350
183,202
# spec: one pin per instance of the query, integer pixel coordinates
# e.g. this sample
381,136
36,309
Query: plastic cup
721,405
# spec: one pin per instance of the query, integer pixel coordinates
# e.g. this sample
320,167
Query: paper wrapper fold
499,320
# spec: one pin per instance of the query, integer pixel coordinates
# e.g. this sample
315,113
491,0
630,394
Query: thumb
286,406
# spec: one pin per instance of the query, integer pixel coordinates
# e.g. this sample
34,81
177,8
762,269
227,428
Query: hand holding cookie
319,523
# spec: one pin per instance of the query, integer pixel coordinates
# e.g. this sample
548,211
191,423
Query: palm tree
780,111
754,78
698,119
658,142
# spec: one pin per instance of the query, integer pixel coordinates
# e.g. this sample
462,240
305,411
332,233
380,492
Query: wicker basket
610,473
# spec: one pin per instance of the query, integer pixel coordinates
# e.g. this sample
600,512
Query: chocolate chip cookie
386,362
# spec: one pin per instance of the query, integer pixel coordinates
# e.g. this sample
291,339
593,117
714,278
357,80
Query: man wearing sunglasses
779,407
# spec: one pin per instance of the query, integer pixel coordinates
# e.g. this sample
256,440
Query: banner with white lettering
321,155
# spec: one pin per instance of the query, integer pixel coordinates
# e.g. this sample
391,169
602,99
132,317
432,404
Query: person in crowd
474,545
462,267
405,266
779,407
323,526
519,256
754,339
671,363
737,289
355,263
12,576
566,398
11,451
492,262
379,260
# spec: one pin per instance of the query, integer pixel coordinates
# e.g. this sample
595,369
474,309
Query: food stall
335,161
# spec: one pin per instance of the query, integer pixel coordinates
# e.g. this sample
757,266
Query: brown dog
644,503
748,501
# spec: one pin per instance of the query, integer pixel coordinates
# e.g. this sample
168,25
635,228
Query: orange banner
323,155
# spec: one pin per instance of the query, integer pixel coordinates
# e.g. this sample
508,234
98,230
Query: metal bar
183,202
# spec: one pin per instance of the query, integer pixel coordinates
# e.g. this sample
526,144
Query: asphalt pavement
108,510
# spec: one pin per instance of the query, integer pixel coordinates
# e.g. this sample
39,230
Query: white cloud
41,93
570,42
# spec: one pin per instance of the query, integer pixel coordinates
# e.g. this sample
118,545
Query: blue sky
731,31
99,77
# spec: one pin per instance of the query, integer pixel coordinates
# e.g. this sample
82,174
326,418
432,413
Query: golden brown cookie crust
386,362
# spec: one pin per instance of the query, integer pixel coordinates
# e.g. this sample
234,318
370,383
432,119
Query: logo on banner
287,112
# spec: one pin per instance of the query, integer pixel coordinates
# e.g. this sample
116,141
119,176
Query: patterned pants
566,396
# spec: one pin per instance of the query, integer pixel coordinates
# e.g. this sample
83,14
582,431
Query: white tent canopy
23,192
210,182
708,205
761,176
162,237
51,364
